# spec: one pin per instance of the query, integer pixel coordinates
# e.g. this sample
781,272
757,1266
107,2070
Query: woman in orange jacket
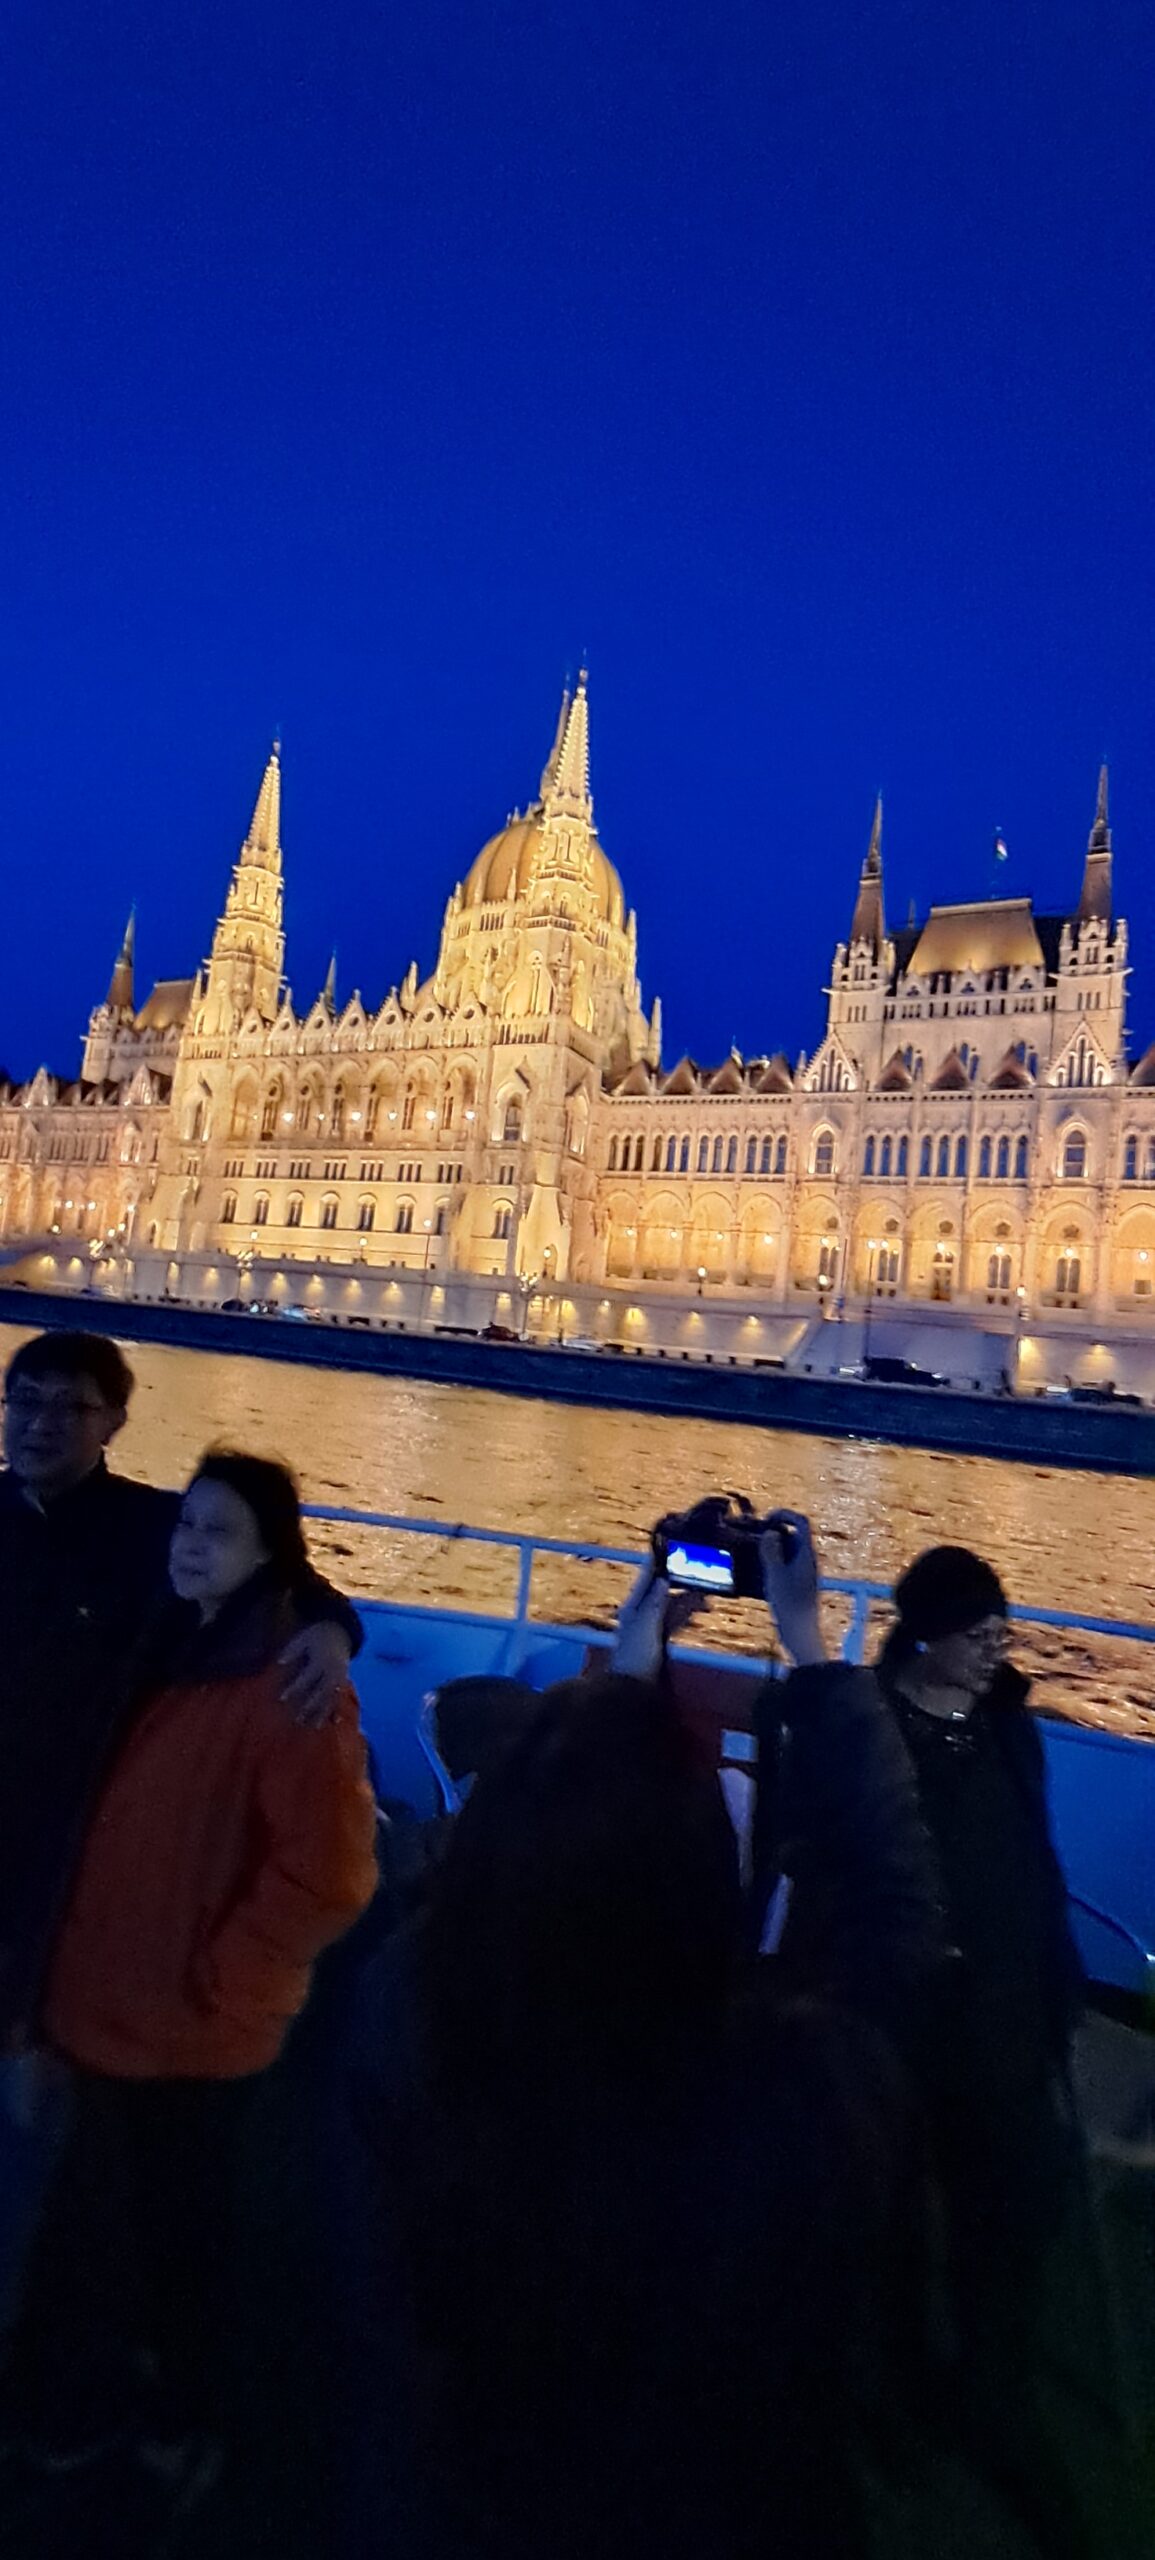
230,1845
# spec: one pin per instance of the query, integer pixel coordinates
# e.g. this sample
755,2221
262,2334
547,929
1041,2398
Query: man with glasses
83,1562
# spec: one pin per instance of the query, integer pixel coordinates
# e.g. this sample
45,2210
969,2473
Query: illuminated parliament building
969,1128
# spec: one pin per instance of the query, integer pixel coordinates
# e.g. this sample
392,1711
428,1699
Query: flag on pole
1000,850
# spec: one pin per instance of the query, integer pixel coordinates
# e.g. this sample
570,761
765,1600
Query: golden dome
507,860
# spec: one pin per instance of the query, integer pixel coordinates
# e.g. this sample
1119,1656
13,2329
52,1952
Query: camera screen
699,1568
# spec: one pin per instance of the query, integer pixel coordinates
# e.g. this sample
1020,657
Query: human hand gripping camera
722,1548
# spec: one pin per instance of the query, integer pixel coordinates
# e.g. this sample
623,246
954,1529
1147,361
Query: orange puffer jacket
229,1847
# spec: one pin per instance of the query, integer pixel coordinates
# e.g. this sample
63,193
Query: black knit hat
945,1591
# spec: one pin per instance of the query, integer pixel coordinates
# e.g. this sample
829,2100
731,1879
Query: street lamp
701,1277
527,1282
872,1248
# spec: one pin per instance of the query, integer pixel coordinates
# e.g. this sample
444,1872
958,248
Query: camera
714,1546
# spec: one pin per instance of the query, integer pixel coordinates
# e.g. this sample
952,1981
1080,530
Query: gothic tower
247,961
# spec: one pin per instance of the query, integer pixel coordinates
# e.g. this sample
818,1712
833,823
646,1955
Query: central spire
869,923
565,784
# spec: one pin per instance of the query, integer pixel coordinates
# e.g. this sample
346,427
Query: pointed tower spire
248,953
1095,899
121,996
329,990
869,923
263,841
566,782
558,742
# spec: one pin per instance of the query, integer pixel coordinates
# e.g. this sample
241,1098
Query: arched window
1151,1159
943,1158
511,1125
639,1152
329,1211
868,1157
612,1161
270,1112
824,1153
656,1156
827,1263
440,1217
1068,1273
403,1222
780,1156
999,1273
903,1158
1074,1156
1131,1160
703,1155
261,1209
502,1221
1003,1159
1020,1160
884,1154
447,1108
684,1156
337,1121
366,1214
409,1108
960,1159
671,1154
295,1211
731,1155
752,1156
985,1159
924,1160
229,1209
716,1158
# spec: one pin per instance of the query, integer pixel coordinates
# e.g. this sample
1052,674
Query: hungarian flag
1000,850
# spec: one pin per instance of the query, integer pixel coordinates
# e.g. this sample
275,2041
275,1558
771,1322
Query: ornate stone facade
969,1128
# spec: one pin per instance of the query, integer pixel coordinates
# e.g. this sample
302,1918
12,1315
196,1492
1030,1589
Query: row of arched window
329,1211
714,1155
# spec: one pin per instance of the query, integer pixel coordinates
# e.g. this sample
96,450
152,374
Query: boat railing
1104,1808
863,1596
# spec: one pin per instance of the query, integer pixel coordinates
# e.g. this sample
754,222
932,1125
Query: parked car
498,1333
294,1315
1107,1393
884,1371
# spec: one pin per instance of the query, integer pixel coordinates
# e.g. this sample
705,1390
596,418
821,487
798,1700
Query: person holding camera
636,2219
841,1881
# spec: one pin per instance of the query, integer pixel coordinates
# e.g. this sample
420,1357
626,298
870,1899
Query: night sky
363,368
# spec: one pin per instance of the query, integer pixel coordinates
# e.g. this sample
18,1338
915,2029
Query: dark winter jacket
838,1823
665,2331
80,1580
982,1790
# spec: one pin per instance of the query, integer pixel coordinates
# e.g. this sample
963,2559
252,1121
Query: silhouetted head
588,1916
66,1396
476,1721
240,1516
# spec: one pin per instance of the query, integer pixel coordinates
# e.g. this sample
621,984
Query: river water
1059,1540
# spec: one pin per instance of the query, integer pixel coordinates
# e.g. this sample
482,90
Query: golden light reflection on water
1060,1540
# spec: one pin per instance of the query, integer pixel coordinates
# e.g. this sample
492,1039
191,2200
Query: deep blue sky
363,366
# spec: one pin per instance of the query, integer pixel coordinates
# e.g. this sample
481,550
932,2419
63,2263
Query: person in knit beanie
1006,2148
